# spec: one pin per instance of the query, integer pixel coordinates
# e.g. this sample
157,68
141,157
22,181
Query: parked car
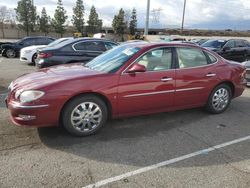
233,49
72,51
247,65
29,54
129,80
12,50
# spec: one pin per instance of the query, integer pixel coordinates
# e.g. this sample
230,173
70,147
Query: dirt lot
49,157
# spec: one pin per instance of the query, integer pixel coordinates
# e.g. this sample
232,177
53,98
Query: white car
247,65
29,54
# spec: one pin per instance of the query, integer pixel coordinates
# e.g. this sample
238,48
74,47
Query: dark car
72,51
233,49
12,50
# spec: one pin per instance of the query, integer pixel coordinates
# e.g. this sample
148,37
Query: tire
219,99
10,53
84,122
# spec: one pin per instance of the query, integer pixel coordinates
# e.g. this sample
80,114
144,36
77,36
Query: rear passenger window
157,60
211,58
191,57
90,46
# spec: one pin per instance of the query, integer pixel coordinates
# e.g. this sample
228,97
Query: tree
94,23
44,22
26,15
133,22
60,18
78,16
119,24
4,13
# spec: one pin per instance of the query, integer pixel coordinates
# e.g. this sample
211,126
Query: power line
156,15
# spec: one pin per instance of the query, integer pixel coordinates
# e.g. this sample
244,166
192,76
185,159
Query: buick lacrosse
131,79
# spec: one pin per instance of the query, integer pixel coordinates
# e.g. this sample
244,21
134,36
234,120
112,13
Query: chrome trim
211,75
162,92
189,89
150,93
166,79
28,107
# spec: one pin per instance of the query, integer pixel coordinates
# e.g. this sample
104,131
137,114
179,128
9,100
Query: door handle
210,75
166,79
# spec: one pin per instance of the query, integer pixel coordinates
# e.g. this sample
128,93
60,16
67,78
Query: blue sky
200,14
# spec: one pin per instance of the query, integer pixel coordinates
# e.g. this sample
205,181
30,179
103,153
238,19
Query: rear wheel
10,53
84,115
220,99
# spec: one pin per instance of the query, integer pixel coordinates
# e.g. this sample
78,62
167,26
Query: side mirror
136,68
21,43
226,48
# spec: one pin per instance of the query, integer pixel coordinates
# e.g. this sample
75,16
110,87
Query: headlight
27,51
31,95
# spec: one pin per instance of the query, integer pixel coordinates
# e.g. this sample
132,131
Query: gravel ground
49,157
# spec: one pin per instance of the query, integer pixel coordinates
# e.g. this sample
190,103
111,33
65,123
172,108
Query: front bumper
42,115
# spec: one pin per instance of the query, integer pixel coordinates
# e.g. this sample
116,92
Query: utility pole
147,18
183,16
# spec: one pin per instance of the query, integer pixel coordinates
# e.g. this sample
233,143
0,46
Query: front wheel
84,115
10,53
219,99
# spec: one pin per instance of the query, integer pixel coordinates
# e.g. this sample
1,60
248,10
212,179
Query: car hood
48,76
35,47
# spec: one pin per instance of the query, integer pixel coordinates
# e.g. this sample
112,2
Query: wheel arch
228,83
99,95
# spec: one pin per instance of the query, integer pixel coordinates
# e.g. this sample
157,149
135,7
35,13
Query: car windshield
214,43
113,59
58,41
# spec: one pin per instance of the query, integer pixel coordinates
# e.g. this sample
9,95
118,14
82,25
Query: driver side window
157,60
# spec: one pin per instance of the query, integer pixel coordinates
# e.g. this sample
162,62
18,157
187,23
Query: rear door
150,91
229,51
195,77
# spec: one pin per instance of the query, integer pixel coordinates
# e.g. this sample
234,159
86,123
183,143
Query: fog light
26,117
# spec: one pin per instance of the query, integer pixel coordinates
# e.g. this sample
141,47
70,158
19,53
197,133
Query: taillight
44,55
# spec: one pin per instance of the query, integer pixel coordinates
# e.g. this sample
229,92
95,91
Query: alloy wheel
220,99
86,117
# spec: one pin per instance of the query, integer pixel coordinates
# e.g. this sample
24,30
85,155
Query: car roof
31,37
160,44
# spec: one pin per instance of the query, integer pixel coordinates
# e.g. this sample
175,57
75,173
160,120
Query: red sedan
132,79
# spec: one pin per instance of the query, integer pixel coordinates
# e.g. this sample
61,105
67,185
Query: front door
150,91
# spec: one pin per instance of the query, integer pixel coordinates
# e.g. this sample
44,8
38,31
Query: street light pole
183,16
147,18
